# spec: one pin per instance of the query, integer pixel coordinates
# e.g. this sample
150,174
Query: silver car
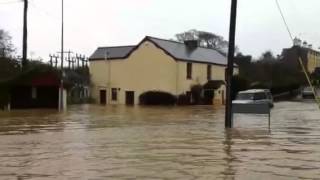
307,92
254,96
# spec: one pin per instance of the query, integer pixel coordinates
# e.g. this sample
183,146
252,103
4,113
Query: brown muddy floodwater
94,142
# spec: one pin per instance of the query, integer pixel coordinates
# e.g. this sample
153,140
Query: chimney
305,44
191,44
297,42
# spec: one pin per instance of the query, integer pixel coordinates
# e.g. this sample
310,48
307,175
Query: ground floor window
34,93
114,94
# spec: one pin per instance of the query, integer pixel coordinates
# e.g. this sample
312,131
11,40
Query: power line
284,19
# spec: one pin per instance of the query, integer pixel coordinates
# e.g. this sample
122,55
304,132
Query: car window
269,95
307,89
260,96
245,96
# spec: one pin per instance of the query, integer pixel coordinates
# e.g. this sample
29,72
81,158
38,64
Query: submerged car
254,96
307,92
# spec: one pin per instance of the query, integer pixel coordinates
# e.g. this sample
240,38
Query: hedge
157,98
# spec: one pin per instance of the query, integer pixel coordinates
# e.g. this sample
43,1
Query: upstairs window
189,70
114,94
209,73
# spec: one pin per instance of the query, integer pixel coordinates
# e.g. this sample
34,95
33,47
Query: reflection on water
93,142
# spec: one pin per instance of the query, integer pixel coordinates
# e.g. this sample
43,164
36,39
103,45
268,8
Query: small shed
35,89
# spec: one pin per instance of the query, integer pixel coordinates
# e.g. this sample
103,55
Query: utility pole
73,63
69,58
78,59
61,103
62,38
229,73
56,61
83,61
69,54
50,61
69,63
25,34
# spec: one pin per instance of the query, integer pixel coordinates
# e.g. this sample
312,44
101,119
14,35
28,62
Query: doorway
223,97
129,97
103,97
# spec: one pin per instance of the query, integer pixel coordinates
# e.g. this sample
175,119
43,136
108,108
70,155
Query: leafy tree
244,63
8,68
267,56
268,71
238,84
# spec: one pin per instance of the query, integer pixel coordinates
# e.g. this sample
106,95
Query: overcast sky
93,23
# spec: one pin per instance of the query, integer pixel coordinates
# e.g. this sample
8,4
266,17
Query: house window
34,93
114,94
209,72
189,70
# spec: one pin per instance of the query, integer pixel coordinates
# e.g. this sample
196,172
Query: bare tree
206,39
6,46
188,35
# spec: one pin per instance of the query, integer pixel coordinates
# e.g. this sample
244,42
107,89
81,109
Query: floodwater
118,142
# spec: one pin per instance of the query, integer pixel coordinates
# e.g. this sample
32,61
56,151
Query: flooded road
94,142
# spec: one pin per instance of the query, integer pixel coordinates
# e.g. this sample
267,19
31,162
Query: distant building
119,75
309,56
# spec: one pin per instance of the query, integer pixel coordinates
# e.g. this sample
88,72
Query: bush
157,98
4,96
285,88
183,99
208,97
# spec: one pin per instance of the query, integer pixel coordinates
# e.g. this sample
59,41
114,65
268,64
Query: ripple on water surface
118,142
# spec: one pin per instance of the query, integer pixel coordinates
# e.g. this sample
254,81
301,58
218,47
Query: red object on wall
46,80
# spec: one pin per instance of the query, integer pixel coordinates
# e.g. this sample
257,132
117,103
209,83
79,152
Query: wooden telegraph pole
56,61
25,34
51,61
61,103
229,73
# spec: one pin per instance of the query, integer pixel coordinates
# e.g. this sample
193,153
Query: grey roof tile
199,54
112,52
177,50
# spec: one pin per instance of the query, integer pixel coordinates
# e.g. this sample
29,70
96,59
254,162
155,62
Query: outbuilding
34,89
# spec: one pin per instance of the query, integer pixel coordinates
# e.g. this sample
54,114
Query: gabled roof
180,51
177,50
117,52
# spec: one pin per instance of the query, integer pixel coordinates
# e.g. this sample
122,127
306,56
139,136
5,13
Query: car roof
254,91
307,87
